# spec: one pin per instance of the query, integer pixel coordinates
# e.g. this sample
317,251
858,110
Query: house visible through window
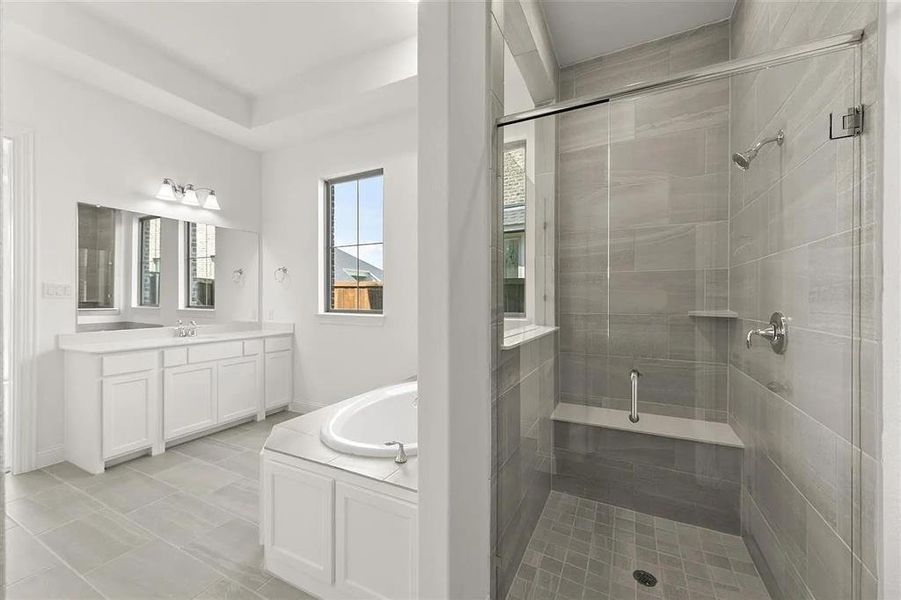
96,257
515,229
200,245
355,253
149,253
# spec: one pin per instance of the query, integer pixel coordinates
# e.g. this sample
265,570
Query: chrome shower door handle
633,414
776,333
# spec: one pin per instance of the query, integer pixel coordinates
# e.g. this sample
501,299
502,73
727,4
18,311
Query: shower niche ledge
713,314
693,430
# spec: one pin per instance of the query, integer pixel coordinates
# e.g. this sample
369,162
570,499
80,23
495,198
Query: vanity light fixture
187,194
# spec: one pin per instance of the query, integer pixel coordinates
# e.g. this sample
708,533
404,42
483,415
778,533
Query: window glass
149,252
201,265
355,244
515,229
96,257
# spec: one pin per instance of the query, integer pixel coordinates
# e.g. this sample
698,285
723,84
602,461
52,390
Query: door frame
22,287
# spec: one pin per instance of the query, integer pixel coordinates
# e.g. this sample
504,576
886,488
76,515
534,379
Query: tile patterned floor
586,550
179,525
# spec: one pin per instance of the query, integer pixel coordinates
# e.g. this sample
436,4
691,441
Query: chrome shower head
743,159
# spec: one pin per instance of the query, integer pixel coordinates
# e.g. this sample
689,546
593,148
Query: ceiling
262,74
584,29
254,47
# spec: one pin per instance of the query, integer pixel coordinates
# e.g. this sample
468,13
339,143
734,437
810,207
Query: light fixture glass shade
166,191
190,196
211,203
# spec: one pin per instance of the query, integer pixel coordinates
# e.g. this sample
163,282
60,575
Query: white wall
338,356
93,147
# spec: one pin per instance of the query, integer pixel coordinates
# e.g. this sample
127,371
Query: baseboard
50,456
305,406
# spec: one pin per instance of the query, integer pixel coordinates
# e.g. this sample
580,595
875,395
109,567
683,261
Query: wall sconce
187,194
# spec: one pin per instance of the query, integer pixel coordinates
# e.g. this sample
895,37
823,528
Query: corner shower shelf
713,314
694,430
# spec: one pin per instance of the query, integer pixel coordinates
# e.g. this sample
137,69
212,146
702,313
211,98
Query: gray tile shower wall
686,481
802,239
527,383
643,232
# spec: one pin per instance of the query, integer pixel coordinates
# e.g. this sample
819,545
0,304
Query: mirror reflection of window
201,265
149,240
515,229
96,257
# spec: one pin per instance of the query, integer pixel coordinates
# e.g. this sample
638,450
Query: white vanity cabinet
123,402
338,535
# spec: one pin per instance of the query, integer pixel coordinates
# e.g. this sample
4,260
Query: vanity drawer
278,344
116,364
175,357
208,352
253,347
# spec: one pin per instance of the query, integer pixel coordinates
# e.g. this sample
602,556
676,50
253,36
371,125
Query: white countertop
299,437
108,342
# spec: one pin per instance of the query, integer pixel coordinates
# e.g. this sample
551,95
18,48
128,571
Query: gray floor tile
58,583
179,518
669,550
156,570
246,464
127,490
241,498
207,449
152,465
26,484
276,589
25,556
233,549
91,541
197,477
226,589
51,508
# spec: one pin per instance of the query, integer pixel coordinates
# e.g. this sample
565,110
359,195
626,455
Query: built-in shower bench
687,470
694,430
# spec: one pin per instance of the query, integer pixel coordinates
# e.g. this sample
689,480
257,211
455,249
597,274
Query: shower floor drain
644,578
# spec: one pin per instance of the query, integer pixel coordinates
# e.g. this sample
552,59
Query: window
96,257
355,253
515,229
200,253
149,257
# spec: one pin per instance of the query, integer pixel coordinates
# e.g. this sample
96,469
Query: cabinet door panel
279,378
297,515
129,412
189,394
375,544
240,387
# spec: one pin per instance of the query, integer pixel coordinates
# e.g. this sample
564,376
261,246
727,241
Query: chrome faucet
192,330
401,457
180,329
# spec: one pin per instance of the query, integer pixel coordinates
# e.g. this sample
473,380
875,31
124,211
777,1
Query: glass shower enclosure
711,287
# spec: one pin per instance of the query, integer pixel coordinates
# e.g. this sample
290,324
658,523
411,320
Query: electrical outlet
55,291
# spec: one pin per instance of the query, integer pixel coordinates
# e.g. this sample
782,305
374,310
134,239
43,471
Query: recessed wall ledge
520,336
